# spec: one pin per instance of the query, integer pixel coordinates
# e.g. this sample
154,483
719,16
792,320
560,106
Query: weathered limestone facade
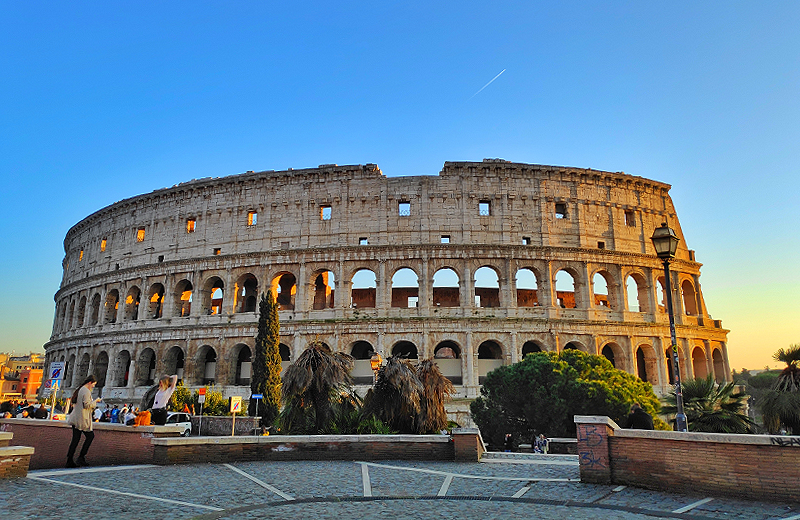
461,266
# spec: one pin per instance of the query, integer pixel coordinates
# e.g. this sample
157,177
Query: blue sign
257,396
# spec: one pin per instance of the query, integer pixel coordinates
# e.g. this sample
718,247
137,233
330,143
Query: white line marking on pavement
134,495
693,505
445,485
618,489
260,482
40,473
365,480
521,492
479,477
793,517
544,462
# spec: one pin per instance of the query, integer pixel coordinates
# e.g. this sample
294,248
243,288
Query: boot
70,464
82,461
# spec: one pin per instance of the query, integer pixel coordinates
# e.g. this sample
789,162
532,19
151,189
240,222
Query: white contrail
490,82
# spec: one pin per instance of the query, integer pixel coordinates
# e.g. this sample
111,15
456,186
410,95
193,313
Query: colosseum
476,267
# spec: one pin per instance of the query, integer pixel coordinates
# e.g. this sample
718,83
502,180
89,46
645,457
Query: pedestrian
508,443
81,421
122,413
639,419
98,414
540,445
115,414
166,385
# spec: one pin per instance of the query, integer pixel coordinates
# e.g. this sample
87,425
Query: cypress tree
266,378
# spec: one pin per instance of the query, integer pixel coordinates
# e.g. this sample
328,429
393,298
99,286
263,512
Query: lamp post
375,363
666,243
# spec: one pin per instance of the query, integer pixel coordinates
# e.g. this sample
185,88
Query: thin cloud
490,82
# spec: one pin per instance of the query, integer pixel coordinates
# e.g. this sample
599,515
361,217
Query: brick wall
113,443
14,461
743,466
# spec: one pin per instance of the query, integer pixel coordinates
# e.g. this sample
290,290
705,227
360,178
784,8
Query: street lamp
666,243
375,363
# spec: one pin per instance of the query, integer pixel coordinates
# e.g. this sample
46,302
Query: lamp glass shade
665,241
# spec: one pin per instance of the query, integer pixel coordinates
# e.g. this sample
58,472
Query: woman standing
81,421
166,385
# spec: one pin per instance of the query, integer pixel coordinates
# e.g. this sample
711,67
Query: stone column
228,294
515,351
468,291
425,289
593,448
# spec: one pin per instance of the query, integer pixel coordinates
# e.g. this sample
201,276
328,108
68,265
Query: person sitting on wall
639,419
166,385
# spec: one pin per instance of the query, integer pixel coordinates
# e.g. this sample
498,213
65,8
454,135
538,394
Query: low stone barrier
14,460
759,467
222,424
113,443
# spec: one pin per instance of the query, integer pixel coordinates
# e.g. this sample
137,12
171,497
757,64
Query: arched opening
285,287
362,369
213,295
573,345
608,353
243,366
175,361
112,305
600,290
646,365
447,356
81,312
670,366
565,290
531,347
155,303
183,298
719,366
146,368
689,298
636,291
661,295
68,372
101,368
132,304
123,368
405,349
363,292
95,316
83,369
207,365
445,288
245,294
324,290
286,357
527,287
487,287
70,315
490,356
699,365
405,288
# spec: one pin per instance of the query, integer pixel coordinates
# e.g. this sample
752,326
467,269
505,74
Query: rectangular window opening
630,218
561,210
80,256
160,258
217,251
252,218
412,301
404,209
601,245
284,245
445,239
363,241
526,241
140,234
484,208
325,212
103,244
190,225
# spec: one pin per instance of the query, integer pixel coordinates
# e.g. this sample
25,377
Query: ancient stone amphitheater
476,267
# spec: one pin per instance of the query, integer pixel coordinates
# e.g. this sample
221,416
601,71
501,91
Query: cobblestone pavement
547,488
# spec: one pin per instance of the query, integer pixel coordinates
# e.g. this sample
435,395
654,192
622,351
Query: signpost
257,397
236,407
55,375
201,398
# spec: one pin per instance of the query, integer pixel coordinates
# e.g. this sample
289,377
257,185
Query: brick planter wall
113,443
760,467
221,425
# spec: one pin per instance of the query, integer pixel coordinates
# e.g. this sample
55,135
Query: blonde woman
166,385
80,418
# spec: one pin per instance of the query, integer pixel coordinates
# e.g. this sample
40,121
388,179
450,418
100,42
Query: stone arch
206,366
101,368
490,356
70,370
575,345
699,366
689,298
447,350
363,291
362,373
70,315
123,363
362,350
324,290
636,291
241,356
719,366
527,287
446,292
213,295
405,288
132,303
155,301
566,289
661,295
447,355
175,362
183,298
614,353
487,287
285,353
146,368
405,349
94,318
111,306
602,289
531,347
83,368
245,293
284,287
82,312
646,364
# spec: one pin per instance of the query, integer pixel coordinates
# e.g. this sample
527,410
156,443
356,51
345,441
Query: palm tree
712,407
780,406
396,399
315,381
436,389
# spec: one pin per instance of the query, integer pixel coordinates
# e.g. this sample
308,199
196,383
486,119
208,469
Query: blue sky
102,101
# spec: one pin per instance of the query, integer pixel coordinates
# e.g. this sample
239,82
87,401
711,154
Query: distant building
21,376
